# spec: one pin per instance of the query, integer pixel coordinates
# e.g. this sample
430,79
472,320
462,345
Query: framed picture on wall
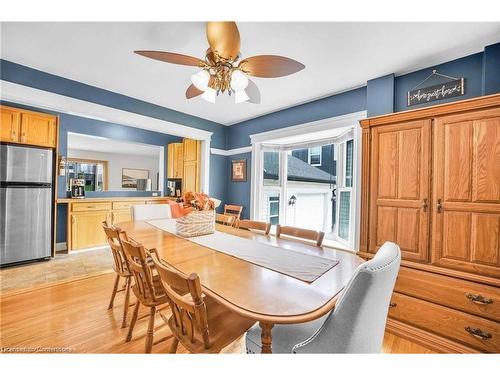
239,170
131,175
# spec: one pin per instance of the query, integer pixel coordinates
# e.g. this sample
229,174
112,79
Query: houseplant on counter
195,215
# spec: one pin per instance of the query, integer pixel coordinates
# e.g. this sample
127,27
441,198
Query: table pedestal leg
266,337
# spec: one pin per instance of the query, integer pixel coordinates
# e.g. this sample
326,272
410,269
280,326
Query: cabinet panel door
121,216
179,160
467,187
190,148
86,229
170,161
400,188
10,120
38,129
190,179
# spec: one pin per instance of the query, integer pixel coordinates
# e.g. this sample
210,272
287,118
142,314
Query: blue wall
23,75
381,95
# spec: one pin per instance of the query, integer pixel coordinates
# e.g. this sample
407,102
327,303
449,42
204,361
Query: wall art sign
445,90
239,170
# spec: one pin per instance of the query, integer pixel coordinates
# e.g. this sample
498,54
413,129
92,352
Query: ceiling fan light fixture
209,95
240,96
239,80
200,80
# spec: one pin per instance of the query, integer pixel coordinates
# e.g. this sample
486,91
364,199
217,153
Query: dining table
248,289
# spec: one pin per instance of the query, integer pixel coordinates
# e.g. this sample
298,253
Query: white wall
118,161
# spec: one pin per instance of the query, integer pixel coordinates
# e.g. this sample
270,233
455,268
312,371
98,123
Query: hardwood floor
73,317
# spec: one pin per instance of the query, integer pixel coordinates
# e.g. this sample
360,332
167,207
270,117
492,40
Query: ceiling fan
223,70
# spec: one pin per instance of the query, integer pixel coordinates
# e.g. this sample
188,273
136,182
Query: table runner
300,266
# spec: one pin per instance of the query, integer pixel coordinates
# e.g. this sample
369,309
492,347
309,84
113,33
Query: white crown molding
13,92
234,151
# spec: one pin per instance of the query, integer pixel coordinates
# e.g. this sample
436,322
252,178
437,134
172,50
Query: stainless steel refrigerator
26,203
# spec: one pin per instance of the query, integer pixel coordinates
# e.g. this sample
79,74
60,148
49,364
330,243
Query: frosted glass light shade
240,96
239,81
200,80
209,95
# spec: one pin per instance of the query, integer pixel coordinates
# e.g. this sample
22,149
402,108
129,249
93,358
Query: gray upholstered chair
357,323
151,211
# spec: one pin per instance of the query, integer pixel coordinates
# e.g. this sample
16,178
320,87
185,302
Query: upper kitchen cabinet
175,160
191,165
27,127
10,118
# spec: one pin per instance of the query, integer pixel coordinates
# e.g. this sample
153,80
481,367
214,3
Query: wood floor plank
74,316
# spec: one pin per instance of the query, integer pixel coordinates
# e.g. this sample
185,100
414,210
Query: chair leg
125,305
173,347
115,288
151,327
132,322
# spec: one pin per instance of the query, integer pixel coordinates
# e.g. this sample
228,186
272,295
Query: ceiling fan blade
192,92
171,57
224,39
270,66
253,92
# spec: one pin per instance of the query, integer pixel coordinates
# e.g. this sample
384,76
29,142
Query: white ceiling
99,144
338,57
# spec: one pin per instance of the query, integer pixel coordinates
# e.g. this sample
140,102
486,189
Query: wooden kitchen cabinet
175,160
85,217
86,229
11,124
191,165
28,127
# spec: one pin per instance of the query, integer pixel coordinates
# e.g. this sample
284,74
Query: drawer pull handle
439,206
424,204
479,299
476,332
392,304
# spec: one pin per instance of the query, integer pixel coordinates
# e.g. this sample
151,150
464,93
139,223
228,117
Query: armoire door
466,185
399,190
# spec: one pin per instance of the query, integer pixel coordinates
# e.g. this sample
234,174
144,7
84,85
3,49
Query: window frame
320,156
269,201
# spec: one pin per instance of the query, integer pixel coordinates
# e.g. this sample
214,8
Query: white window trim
269,208
320,156
351,119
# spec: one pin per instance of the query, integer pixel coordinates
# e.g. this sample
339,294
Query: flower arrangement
192,201
195,215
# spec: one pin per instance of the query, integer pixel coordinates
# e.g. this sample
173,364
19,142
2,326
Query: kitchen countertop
104,199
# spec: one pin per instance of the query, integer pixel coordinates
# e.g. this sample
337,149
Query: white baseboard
61,246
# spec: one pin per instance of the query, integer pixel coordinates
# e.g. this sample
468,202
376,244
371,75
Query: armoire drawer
474,298
471,330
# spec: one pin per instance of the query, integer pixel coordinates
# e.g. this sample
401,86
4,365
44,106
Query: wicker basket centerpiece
199,215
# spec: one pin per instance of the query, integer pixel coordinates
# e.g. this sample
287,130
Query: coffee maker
77,187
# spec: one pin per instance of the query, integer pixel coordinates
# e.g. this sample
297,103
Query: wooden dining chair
307,234
224,219
233,210
254,225
120,267
198,322
147,287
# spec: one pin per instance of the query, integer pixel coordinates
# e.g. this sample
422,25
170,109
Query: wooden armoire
431,184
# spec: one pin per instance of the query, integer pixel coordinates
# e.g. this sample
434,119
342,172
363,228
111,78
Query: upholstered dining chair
198,322
355,325
224,219
151,211
306,234
233,210
147,287
120,267
254,225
